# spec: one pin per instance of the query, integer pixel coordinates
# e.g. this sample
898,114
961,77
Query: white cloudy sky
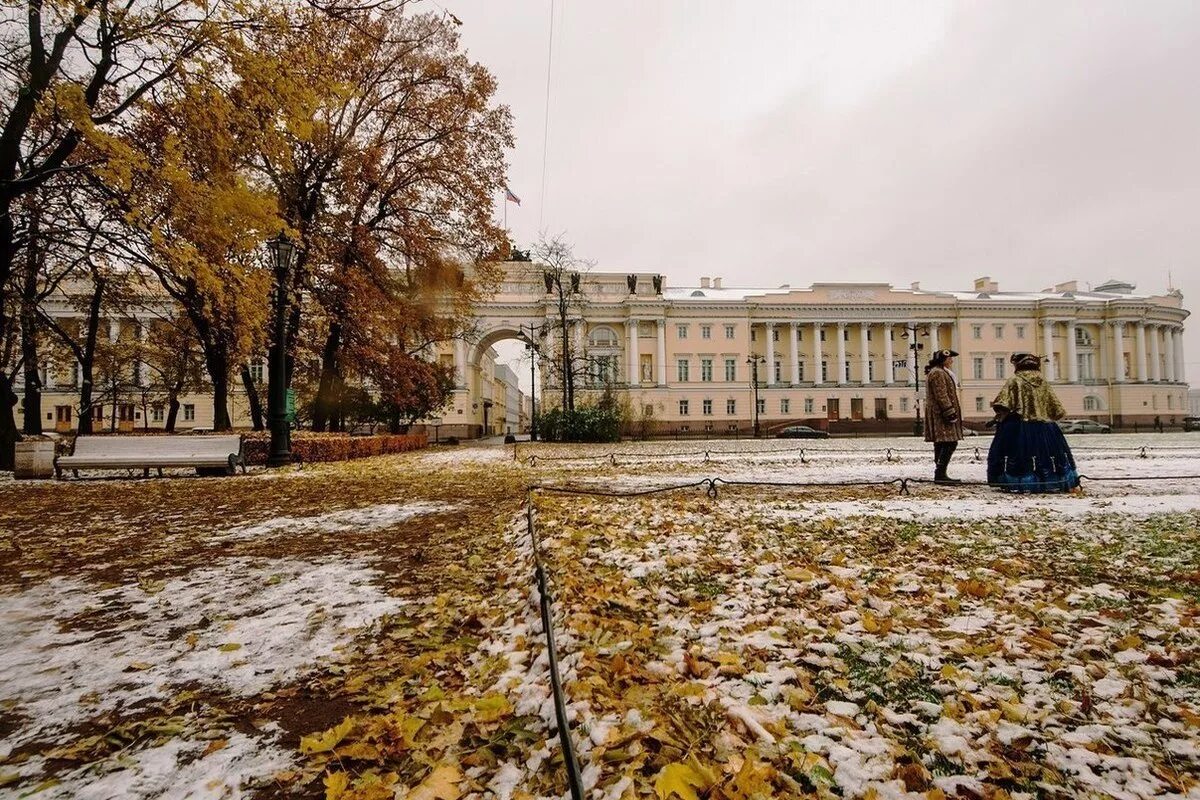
792,142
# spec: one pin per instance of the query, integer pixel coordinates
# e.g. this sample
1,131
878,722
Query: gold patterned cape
1028,394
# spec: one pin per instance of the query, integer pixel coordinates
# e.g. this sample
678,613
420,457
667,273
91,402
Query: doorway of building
881,408
834,412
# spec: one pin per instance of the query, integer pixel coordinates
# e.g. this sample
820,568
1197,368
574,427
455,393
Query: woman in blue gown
1029,452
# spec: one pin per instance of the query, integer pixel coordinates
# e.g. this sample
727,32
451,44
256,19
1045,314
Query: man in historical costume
1029,452
943,413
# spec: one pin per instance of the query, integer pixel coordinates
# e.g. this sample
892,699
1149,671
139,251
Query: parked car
1191,423
801,432
1083,426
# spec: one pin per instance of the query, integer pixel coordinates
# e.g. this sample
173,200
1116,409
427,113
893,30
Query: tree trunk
325,406
32,399
172,412
87,361
8,424
256,412
218,373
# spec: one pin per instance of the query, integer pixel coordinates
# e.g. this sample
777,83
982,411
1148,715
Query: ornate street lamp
754,361
911,331
283,251
534,352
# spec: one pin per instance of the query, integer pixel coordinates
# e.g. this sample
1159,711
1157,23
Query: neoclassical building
838,355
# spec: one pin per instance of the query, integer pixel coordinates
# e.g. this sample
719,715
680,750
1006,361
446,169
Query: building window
604,370
904,403
706,331
681,366
977,367
976,331
998,331
730,331
822,334
706,370
775,334
999,367
979,404
808,405
1020,331
753,334
189,412
730,370
785,406
156,414
870,370
681,331
731,407
846,366
800,369
762,405
845,334
683,408
778,371
706,407
1091,403
75,373
256,370
824,372
1170,402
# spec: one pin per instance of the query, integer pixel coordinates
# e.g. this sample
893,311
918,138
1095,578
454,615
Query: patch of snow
367,518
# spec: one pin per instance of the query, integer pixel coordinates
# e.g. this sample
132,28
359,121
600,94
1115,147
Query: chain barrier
891,454
570,760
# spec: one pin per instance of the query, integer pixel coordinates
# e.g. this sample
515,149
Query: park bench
209,455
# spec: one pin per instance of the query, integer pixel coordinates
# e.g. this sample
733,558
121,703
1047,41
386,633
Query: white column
661,325
114,330
841,354
1118,352
955,341
1170,354
864,353
1101,361
818,354
888,355
1180,371
1141,352
795,333
460,363
769,333
631,337
1048,348
1072,357
934,344
1155,356
139,366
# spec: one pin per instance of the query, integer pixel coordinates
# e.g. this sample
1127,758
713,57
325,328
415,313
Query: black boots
942,451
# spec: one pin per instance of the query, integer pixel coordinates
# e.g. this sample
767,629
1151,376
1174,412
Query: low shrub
313,447
591,424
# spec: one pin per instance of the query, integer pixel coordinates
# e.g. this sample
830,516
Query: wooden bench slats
153,452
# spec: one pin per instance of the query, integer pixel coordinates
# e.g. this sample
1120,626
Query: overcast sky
794,142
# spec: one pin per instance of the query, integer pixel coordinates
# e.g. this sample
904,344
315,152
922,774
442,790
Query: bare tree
563,274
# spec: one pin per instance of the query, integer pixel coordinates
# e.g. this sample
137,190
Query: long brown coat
943,414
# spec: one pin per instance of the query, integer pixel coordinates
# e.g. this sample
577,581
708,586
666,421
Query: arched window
1092,403
604,337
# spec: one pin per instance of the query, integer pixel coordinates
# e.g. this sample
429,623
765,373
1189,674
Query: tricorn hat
940,356
1026,360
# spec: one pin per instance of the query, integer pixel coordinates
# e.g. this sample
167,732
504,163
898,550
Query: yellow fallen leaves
682,779
327,740
441,784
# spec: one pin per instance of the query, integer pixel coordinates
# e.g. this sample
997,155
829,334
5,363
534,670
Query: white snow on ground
368,518
998,506
177,770
240,627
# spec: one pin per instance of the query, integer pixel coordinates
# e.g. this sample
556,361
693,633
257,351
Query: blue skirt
1031,457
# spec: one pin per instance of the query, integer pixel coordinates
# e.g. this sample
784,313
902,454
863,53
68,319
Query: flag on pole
510,197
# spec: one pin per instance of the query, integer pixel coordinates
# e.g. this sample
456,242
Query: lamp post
283,250
754,361
532,347
910,332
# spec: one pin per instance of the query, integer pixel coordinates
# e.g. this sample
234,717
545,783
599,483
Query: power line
546,119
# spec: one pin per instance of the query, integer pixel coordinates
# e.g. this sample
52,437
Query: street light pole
754,361
283,251
533,353
911,333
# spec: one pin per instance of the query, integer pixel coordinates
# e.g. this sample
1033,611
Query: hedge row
313,447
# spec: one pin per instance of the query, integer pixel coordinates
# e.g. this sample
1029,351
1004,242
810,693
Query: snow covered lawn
853,642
